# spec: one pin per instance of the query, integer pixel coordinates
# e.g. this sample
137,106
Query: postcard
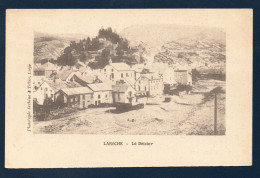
128,87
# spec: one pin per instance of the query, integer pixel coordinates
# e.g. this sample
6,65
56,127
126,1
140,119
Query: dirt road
184,115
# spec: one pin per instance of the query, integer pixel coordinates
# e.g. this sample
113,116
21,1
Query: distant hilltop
157,35
170,44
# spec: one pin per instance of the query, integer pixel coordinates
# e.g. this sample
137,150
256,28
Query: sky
89,21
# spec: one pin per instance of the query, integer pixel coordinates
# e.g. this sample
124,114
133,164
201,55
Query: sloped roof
99,87
43,67
84,69
76,91
49,66
64,73
38,67
151,76
88,78
138,67
121,66
130,82
57,85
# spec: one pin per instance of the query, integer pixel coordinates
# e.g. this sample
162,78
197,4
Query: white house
102,93
124,93
47,89
43,92
168,76
118,71
149,84
80,97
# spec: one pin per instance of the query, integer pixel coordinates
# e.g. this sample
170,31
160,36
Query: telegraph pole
215,116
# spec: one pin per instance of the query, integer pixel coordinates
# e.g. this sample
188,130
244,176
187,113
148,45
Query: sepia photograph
128,87
155,79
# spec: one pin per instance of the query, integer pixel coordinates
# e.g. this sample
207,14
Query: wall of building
43,92
183,77
132,96
168,77
156,87
85,100
119,97
123,97
102,97
142,86
115,75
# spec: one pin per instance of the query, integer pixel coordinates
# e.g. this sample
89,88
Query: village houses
80,97
115,83
149,84
124,93
119,71
47,89
102,93
46,70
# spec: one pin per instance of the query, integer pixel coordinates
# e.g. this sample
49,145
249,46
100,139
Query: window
126,74
41,88
130,93
98,96
106,95
112,70
139,81
46,89
83,96
139,88
122,75
76,98
104,70
52,95
112,75
71,100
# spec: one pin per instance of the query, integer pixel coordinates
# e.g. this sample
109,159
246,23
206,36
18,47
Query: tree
104,58
83,57
88,43
66,58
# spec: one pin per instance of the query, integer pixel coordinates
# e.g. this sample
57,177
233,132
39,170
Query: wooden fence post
215,116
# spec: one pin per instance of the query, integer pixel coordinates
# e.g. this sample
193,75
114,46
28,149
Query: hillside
192,52
51,45
179,45
48,49
157,35
171,44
